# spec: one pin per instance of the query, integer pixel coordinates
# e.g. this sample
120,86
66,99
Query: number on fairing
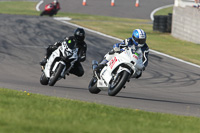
112,62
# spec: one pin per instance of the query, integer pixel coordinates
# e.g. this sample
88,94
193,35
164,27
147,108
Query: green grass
16,7
22,112
164,11
121,28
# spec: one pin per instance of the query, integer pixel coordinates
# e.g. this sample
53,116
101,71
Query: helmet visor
140,41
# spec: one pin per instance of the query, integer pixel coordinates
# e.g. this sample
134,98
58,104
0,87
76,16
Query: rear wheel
42,13
93,86
117,84
50,15
56,74
43,79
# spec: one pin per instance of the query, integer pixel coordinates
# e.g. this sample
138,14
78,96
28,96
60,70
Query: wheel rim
113,84
53,75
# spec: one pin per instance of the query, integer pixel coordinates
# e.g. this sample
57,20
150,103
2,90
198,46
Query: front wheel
93,86
118,83
56,74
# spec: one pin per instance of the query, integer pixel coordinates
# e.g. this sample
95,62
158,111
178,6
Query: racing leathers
82,48
56,7
117,48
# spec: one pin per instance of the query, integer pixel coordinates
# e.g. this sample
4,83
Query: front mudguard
120,70
123,69
56,65
107,77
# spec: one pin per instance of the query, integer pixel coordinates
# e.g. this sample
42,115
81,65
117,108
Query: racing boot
43,62
137,75
100,67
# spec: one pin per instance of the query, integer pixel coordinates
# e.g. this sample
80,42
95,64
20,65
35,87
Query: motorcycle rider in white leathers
138,40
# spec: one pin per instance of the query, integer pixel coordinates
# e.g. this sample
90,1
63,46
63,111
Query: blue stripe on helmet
136,33
141,31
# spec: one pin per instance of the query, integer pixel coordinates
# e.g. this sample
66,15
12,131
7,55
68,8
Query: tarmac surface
167,86
122,8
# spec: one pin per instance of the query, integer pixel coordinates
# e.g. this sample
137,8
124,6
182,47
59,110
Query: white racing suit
117,48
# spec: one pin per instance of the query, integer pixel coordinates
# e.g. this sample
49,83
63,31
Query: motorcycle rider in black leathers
56,5
78,40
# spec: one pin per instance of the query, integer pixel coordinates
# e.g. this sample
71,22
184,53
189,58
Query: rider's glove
116,49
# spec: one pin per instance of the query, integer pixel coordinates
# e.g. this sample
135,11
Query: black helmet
79,34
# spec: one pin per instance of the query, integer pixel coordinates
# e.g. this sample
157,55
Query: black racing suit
82,48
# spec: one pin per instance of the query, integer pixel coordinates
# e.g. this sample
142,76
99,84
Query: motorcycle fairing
51,59
49,7
106,73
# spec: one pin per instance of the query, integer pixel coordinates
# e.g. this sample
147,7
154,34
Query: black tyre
42,13
50,15
54,77
117,85
93,86
43,79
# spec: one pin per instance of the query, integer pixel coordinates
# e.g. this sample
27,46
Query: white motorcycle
113,77
59,64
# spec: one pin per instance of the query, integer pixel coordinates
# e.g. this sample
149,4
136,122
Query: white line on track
62,18
155,10
38,5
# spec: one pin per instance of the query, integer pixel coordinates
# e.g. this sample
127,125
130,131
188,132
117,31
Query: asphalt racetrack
166,86
122,8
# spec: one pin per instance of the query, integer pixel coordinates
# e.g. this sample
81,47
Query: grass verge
18,7
164,11
26,112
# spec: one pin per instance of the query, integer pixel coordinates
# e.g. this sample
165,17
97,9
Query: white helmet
139,37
